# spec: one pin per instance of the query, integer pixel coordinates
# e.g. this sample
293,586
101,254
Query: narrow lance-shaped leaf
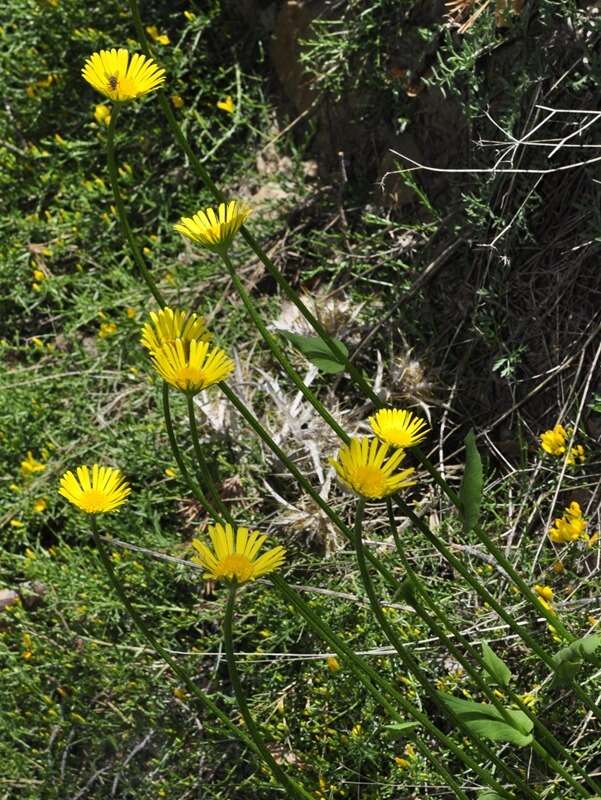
495,665
317,351
470,494
484,719
569,660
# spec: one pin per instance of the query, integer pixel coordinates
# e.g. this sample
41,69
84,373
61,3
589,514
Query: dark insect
113,82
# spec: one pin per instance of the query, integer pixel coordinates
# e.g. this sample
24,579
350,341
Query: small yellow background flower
234,554
570,527
226,105
363,467
215,230
112,73
96,492
554,441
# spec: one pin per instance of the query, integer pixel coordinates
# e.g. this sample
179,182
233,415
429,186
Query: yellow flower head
168,324
226,105
544,592
103,490
112,73
234,554
159,38
576,455
102,114
40,505
570,527
215,230
398,427
554,441
191,369
177,101
30,465
362,466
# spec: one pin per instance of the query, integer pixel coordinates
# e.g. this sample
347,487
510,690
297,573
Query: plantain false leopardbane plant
479,748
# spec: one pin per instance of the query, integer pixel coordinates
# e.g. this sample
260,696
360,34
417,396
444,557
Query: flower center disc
93,501
189,378
369,481
236,566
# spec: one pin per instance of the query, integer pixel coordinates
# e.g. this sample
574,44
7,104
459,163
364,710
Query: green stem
206,702
279,354
121,212
438,610
372,679
275,273
202,464
488,598
194,487
251,726
256,426
411,664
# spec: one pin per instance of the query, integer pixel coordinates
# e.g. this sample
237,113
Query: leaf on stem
569,660
470,494
484,719
317,351
495,665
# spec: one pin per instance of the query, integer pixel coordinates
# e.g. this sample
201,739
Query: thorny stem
194,487
419,587
122,213
183,676
411,664
202,464
251,726
279,354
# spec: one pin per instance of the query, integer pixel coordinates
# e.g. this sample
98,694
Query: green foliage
317,351
470,493
569,660
486,720
497,668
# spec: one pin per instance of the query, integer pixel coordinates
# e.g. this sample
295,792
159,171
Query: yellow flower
102,115
38,275
402,762
554,441
398,427
189,15
226,105
576,455
40,505
117,77
215,230
131,312
30,465
362,467
159,38
570,527
234,554
170,473
107,329
16,523
105,489
544,592
191,369
177,101
168,324
333,663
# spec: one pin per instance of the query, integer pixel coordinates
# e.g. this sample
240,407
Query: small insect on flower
363,467
234,554
97,492
191,368
168,324
215,230
112,73
398,427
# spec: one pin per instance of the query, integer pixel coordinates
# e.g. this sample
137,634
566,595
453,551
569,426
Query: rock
8,597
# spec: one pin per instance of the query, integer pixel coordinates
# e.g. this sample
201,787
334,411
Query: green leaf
397,729
488,794
317,351
497,668
484,719
569,660
470,494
